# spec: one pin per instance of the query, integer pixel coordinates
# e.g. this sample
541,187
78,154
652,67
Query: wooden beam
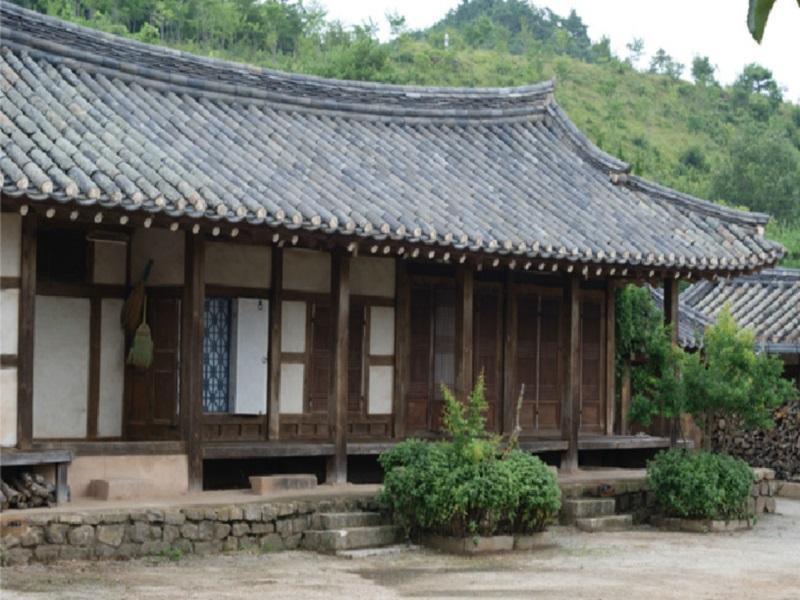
192,311
611,354
570,405
509,353
402,318
275,325
93,406
465,313
337,400
27,311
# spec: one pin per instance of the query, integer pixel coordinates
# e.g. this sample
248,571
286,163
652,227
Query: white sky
684,28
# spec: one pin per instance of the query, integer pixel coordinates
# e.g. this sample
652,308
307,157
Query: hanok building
768,303
326,254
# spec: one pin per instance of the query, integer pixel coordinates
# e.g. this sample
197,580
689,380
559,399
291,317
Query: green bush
467,485
700,485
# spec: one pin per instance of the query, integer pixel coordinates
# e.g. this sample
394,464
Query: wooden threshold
622,442
113,447
266,449
11,457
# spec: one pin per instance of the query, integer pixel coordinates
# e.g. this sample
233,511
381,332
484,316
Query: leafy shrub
467,485
699,485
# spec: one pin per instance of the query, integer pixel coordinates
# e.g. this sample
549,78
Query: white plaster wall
10,235
8,407
161,474
60,367
293,326
371,276
166,248
240,265
112,369
381,330
9,320
110,263
307,270
291,392
381,390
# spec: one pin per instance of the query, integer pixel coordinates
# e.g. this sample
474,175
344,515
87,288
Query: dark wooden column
570,406
337,400
27,311
671,307
192,310
275,324
402,317
465,312
671,318
95,327
611,353
509,353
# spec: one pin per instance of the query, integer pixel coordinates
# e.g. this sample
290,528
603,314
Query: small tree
729,377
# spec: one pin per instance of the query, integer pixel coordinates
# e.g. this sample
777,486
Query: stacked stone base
763,492
173,532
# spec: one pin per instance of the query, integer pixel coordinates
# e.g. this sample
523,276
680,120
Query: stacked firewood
777,448
26,490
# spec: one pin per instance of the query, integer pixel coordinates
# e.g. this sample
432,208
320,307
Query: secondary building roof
691,323
94,119
767,302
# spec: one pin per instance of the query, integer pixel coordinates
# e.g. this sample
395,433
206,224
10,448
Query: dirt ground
763,563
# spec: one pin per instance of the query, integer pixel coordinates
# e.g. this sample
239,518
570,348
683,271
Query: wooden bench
10,457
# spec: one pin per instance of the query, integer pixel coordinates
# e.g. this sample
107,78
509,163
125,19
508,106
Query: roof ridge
695,203
52,36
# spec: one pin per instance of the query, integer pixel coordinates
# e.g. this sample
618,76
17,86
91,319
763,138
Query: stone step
379,551
120,488
345,520
607,523
582,508
334,540
268,484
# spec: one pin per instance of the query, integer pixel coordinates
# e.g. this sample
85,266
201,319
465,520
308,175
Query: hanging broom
131,314
141,352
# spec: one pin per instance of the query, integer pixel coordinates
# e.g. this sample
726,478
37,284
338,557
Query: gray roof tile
91,117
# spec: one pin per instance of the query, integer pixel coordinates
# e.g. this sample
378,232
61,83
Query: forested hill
674,123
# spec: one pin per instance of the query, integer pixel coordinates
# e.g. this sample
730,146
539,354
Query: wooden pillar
192,311
93,406
671,318
275,328
611,353
465,312
570,406
625,398
337,400
402,318
671,307
27,311
509,353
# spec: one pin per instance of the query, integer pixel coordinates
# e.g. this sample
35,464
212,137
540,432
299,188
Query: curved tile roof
767,302
92,118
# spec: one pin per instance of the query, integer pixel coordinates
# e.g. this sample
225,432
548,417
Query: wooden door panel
152,394
487,352
592,368
355,359
320,360
527,359
419,363
549,400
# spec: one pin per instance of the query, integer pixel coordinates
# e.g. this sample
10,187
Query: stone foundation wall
763,492
266,526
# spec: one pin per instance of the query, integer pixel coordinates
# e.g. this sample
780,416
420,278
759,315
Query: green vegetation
699,485
467,486
691,136
725,378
